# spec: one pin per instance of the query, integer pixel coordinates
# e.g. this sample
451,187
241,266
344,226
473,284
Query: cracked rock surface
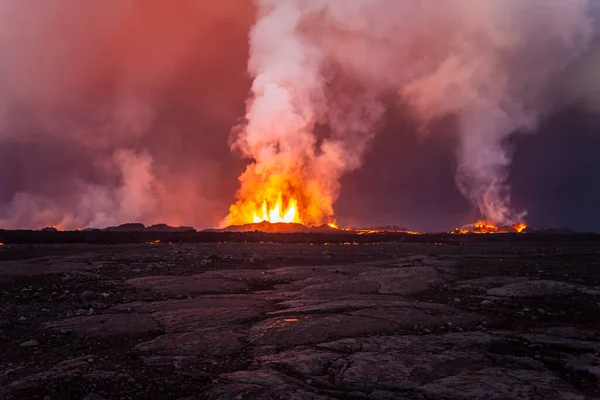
481,320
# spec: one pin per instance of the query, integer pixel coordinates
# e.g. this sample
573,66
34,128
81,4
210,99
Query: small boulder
88,295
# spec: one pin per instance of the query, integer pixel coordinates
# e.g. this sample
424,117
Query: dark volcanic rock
88,295
315,328
184,285
483,318
533,288
200,313
210,342
500,384
137,227
130,227
267,227
106,325
167,228
93,396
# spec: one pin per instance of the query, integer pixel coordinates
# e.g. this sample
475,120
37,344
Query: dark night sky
410,182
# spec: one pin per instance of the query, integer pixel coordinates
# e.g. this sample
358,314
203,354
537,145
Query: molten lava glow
333,225
278,194
276,214
520,227
485,227
490,227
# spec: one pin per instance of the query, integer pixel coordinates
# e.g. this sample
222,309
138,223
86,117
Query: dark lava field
299,317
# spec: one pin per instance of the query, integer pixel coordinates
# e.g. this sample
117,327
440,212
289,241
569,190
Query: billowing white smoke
98,205
109,110
487,63
289,98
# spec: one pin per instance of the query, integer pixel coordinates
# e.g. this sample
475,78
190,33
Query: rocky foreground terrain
479,320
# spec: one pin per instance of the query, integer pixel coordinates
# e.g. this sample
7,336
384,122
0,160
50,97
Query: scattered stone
456,300
88,295
30,343
22,318
588,364
93,396
486,303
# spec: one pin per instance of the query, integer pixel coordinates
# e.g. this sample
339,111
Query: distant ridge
138,227
279,227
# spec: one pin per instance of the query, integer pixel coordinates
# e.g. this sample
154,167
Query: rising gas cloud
486,64
115,112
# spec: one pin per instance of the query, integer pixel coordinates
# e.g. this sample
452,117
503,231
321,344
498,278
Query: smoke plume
114,112
486,64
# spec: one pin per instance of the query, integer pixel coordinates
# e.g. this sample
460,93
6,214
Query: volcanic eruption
129,116
330,64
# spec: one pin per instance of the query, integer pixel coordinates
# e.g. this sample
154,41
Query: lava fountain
276,214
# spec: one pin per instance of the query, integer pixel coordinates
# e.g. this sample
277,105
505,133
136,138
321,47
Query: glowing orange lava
520,227
485,227
280,198
489,227
276,212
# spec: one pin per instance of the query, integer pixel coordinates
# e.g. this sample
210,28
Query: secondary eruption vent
490,227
